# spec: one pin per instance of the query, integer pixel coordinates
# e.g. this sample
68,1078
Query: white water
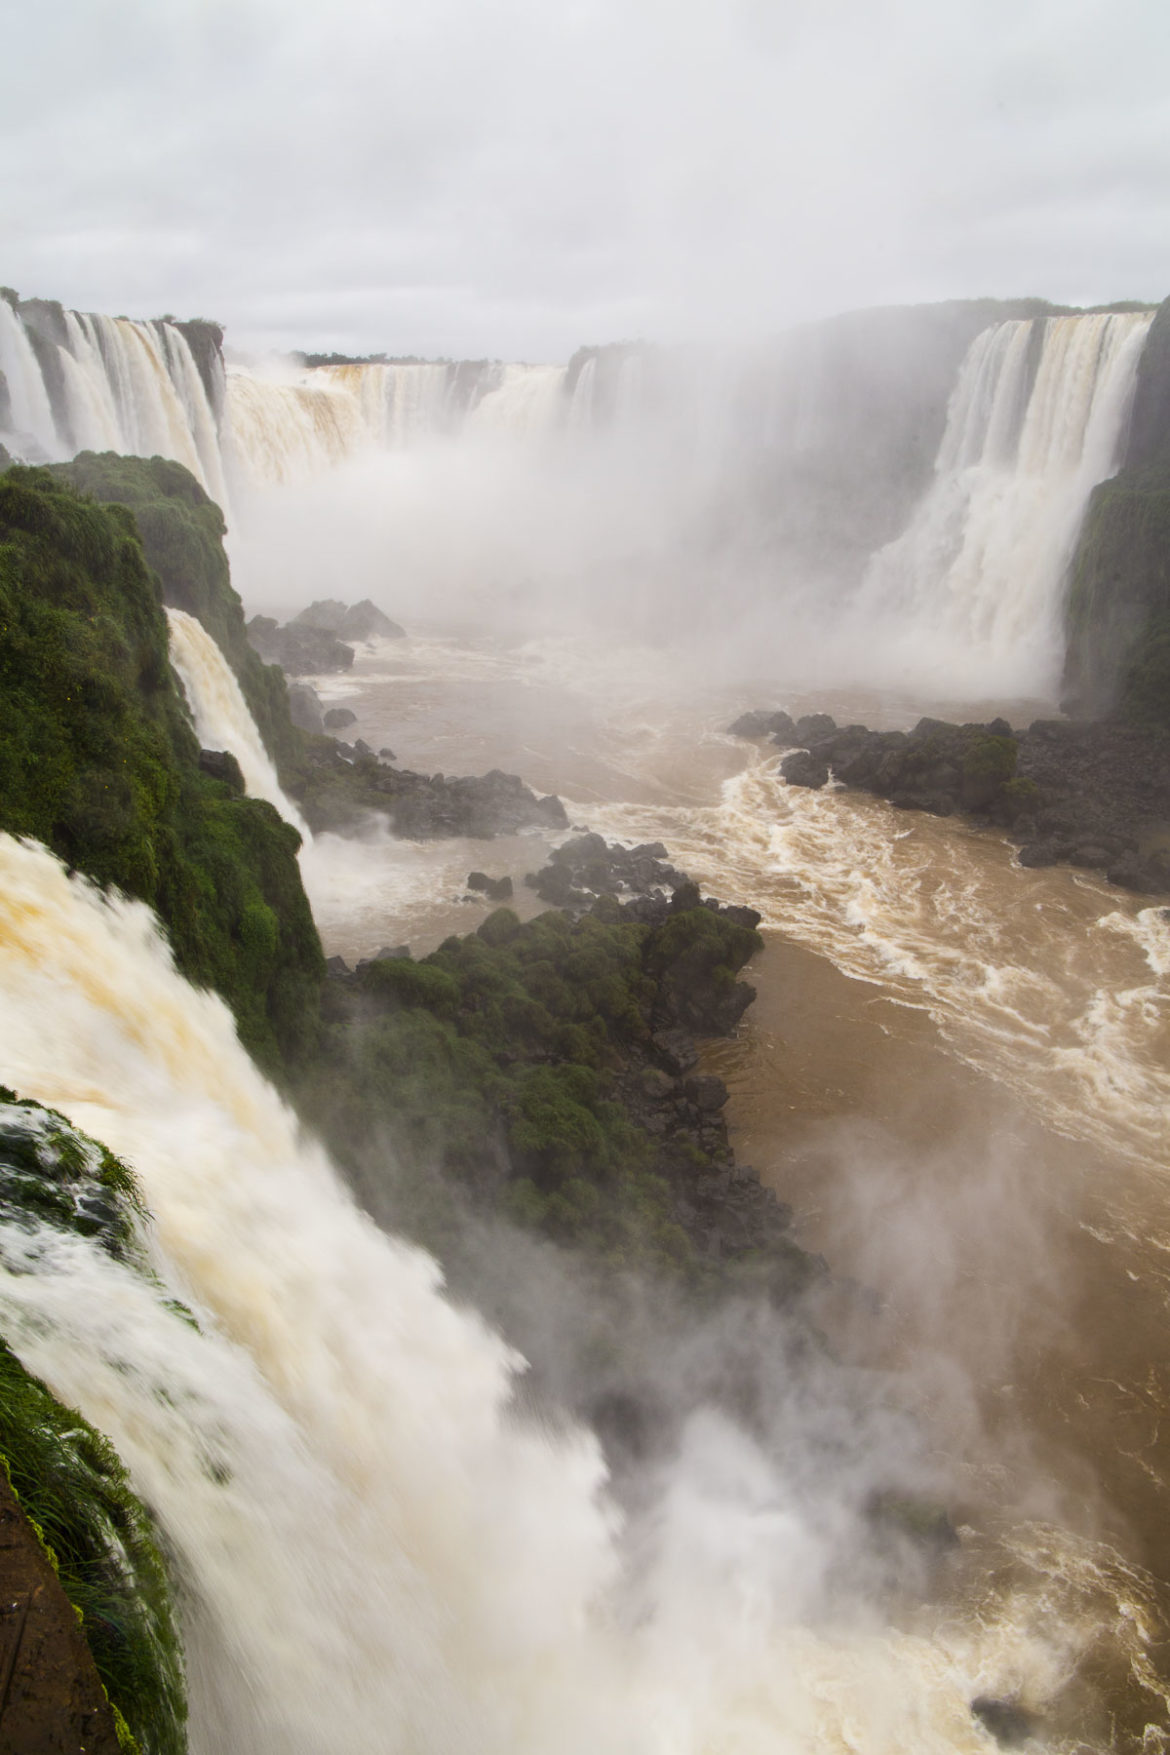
978,575
127,386
378,1555
222,719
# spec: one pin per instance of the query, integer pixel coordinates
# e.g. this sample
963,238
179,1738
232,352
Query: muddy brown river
957,1072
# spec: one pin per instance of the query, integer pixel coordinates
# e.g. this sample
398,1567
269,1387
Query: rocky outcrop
582,870
339,786
51,1697
299,650
358,621
1090,794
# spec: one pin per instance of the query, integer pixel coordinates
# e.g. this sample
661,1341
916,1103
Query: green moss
501,1059
68,1478
182,531
99,762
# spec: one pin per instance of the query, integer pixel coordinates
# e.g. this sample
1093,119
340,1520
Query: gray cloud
512,177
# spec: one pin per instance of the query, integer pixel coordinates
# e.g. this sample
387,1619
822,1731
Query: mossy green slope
68,1478
182,532
98,761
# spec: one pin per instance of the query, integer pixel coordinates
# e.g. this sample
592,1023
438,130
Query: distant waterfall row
72,382
1036,420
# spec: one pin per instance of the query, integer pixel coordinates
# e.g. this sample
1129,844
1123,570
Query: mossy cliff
546,1070
182,531
77,1503
1118,610
99,762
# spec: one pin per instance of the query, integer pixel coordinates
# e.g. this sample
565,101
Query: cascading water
222,719
976,578
122,386
375,1554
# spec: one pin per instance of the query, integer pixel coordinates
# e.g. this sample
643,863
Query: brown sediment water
958,1074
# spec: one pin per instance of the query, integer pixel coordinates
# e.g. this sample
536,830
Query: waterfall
222,719
1034,422
120,386
29,418
375,1552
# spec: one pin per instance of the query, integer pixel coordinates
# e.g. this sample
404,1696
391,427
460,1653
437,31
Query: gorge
713,1514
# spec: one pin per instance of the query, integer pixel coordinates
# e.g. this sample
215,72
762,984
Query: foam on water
376,1552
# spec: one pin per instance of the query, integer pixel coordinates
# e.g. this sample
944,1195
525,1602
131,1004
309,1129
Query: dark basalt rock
304,708
803,768
1007,1721
337,718
342,786
299,650
814,726
362,621
760,723
222,765
495,889
1093,794
581,870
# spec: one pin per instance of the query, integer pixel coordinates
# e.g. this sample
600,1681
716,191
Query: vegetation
67,1477
98,761
182,531
525,1063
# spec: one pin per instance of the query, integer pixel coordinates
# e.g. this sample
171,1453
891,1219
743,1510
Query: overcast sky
516,177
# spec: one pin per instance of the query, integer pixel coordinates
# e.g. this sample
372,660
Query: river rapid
955,1071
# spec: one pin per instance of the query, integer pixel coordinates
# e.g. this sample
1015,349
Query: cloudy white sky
516,177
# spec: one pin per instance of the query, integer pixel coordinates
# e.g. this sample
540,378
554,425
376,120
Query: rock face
52,1701
359,621
340,785
580,871
299,650
1090,794
304,708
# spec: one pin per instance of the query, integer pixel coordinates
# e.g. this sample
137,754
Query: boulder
222,765
337,718
299,649
495,889
304,707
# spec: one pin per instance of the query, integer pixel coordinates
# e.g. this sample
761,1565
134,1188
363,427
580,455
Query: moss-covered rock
68,1479
542,1067
182,531
99,762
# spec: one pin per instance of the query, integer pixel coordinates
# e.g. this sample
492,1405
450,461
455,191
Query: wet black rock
1090,794
304,708
495,889
222,765
1007,1721
362,621
300,650
814,726
779,726
587,867
337,718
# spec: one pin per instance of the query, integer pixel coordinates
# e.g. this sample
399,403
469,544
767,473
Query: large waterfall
375,1551
1034,423
643,477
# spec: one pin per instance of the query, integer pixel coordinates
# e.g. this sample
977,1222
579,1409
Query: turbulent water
374,1553
956,1071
